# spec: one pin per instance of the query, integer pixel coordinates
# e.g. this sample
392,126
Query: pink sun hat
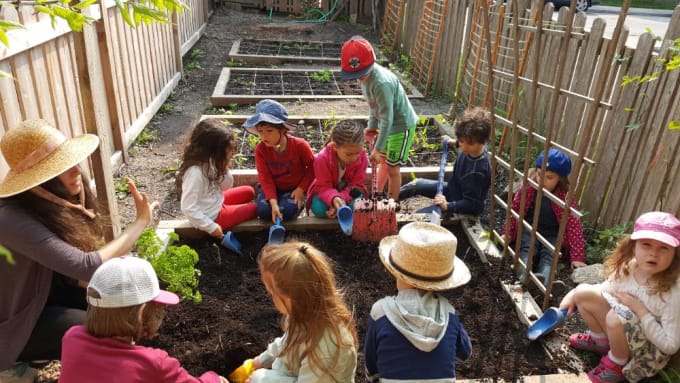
658,225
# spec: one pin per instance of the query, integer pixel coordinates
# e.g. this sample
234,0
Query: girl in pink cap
633,316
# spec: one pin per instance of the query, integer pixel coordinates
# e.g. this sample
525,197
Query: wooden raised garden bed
250,85
253,51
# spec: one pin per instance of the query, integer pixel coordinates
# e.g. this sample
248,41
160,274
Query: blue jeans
287,205
423,187
542,261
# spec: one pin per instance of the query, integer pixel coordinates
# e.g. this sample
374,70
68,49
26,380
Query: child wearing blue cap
556,181
285,164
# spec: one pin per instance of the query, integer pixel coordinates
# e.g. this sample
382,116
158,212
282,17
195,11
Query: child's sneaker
585,341
19,373
606,372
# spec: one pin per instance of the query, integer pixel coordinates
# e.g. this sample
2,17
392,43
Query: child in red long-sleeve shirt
285,164
556,181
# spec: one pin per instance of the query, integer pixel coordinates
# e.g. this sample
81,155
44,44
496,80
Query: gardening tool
436,215
374,219
231,243
277,232
345,218
242,373
551,319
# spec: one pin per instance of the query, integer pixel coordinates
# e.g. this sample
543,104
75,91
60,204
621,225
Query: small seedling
146,137
193,61
253,140
172,168
322,77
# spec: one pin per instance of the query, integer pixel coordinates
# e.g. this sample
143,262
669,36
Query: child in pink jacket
339,171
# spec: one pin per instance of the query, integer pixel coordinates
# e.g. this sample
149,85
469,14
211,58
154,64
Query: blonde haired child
633,316
209,200
319,340
340,170
126,305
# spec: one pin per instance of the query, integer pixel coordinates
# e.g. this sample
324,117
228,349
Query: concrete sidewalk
632,11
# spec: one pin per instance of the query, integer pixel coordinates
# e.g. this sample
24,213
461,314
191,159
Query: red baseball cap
356,58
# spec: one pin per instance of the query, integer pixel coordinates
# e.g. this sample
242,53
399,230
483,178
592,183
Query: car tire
582,5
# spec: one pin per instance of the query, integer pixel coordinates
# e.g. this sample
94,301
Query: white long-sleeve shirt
279,369
662,324
201,202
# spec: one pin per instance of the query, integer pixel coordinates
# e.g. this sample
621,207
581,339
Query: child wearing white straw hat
417,335
125,306
51,227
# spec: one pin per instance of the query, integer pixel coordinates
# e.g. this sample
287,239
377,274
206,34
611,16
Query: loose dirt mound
237,319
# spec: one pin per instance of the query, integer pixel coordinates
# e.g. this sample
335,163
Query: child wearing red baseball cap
633,316
391,117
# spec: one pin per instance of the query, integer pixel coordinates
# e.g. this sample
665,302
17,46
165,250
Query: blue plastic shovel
231,243
551,319
435,216
345,218
276,232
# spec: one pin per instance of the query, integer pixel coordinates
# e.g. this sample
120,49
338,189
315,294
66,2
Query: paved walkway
632,11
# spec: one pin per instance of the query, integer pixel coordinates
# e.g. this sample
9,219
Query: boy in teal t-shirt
391,116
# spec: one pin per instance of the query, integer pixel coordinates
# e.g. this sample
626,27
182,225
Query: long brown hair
210,147
72,226
304,274
617,263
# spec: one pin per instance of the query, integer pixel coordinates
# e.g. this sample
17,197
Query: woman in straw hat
416,335
50,224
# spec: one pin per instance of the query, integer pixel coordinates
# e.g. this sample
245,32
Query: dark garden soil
237,319
272,82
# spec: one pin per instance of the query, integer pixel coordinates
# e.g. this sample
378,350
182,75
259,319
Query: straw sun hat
424,255
37,152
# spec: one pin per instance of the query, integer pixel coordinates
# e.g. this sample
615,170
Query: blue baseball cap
269,111
558,162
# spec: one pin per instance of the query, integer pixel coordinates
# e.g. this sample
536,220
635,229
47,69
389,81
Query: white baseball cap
127,281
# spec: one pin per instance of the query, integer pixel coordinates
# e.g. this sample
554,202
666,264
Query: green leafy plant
167,107
323,76
193,61
172,168
253,140
145,137
233,63
121,185
4,253
604,241
667,375
175,265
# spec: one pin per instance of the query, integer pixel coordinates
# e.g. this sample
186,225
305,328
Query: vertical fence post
177,41
96,119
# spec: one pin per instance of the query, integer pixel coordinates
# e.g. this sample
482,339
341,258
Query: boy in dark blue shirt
416,335
468,187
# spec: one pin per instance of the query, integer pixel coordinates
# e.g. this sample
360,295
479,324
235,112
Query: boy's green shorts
398,147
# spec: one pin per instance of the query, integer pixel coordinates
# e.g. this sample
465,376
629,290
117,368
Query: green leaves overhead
133,12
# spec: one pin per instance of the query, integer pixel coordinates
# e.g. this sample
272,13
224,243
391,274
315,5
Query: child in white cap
633,316
125,306
417,335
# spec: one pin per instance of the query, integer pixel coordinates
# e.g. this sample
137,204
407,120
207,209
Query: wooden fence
628,154
108,80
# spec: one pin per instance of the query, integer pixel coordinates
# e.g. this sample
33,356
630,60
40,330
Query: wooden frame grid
277,52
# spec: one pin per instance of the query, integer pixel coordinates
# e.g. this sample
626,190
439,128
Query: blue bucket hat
269,111
558,162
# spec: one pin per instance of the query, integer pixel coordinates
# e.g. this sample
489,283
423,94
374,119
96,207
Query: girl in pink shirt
125,306
339,170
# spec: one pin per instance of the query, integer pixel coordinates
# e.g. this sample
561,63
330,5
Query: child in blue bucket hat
285,164
556,181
